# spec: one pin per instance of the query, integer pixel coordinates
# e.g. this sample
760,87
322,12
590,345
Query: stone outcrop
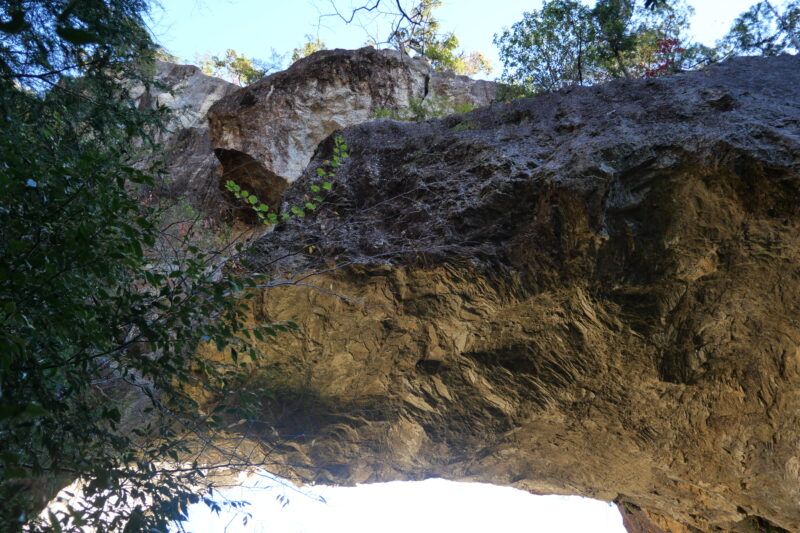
189,160
594,292
266,133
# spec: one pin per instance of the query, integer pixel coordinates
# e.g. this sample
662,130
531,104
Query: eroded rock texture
188,157
591,292
279,121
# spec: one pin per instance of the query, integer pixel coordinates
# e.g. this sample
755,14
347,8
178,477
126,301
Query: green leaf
15,472
298,211
77,36
33,410
310,206
16,24
315,188
327,185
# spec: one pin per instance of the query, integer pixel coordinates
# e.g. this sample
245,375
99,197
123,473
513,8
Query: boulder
266,133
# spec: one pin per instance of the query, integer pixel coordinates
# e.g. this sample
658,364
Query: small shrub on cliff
424,109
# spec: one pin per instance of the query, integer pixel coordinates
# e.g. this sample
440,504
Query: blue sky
188,28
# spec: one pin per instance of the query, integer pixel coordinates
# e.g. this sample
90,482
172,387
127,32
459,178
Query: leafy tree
662,46
313,44
422,37
102,307
551,48
416,31
566,43
614,21
238,68
766,30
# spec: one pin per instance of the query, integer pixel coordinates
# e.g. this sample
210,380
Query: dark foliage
102,308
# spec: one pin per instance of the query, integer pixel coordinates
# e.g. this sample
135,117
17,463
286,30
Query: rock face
190,163
271,128
591,292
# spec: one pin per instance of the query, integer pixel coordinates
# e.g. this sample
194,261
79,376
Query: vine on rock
268,218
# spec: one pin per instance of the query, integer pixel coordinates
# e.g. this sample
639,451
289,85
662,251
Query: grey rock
278,121
190,163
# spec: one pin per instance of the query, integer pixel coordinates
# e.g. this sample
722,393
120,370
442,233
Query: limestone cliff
594,292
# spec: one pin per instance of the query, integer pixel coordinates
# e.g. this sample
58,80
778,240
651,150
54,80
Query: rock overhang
590,292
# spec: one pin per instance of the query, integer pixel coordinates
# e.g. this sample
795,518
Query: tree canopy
567,43
766,29
415,31
423,37
102,306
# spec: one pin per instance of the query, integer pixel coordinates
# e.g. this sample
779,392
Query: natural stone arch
591,292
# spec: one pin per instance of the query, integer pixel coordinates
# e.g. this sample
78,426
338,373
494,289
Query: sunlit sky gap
193,28
434,505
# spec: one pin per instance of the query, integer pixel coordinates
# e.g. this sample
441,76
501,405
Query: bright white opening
434,505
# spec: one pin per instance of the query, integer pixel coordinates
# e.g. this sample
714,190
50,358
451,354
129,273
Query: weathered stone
640,521
279,121
189,159
593,292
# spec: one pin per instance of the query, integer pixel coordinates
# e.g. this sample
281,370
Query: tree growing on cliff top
239,69
566,43
415,31
765,29
423,37
98,331
313,44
